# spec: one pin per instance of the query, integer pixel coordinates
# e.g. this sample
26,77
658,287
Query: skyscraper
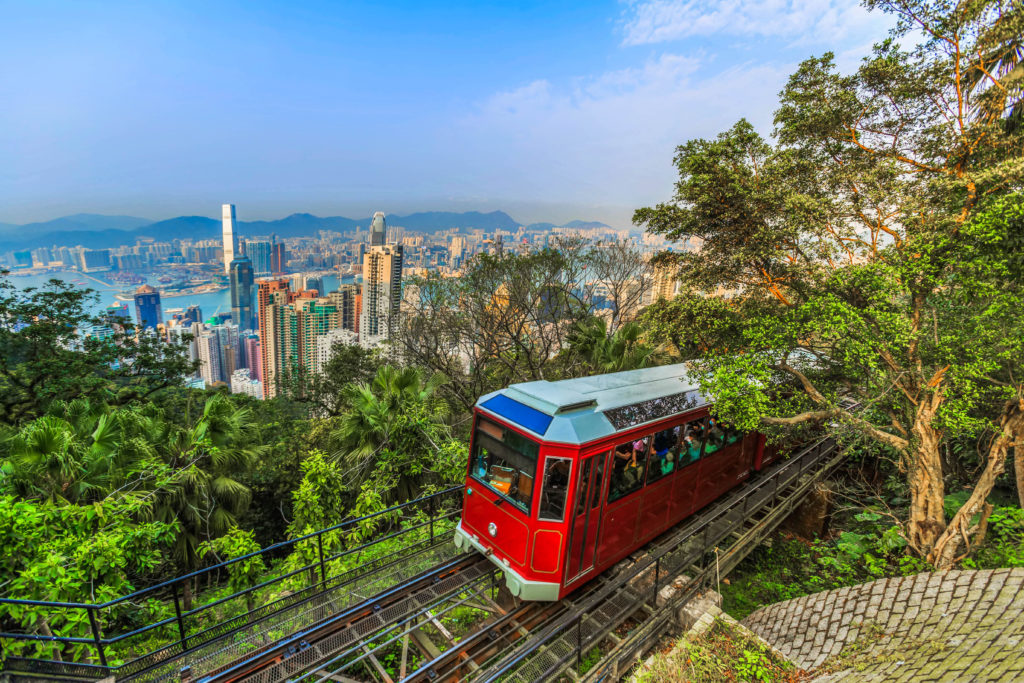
278,257
259,252
193,314
378,228
346,298
270,295
230,241
241,293
147,307
382,293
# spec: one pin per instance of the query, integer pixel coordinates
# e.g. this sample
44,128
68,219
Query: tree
855,246
73,553
508,318
44,357
392,431
622,350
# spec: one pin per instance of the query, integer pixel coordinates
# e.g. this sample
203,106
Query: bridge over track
350,612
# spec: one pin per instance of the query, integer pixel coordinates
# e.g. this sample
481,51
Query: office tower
230,240
117,312
382,293
241,277
278,258
193,314
378,228
147,307
346,298
270,296
259,252
253,361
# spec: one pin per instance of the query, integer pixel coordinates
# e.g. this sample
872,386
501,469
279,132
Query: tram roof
577,411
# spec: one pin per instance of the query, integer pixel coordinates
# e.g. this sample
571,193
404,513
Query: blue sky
548,110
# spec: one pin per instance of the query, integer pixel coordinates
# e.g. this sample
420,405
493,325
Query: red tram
567,478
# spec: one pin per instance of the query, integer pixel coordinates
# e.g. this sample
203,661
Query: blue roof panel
518,413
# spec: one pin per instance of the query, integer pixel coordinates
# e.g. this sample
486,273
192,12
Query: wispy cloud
609,135
797,21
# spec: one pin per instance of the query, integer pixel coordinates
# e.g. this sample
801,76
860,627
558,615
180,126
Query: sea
210,303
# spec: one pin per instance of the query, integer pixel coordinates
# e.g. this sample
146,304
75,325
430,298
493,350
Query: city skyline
551,111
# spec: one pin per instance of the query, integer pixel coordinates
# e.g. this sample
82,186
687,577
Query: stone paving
949,626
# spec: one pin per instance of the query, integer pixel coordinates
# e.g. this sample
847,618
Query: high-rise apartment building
259,252
253,359
230,239
242,383
382,293
378,230
208,348
348,300
325,346
147,307
241,277
270,296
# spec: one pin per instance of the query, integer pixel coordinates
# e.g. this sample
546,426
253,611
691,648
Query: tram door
586,519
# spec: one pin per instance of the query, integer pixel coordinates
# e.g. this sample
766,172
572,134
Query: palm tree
623,350
397,410
204,497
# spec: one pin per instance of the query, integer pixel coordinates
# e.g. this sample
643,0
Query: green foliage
74,553
868,252
602,352
869,547
720,654
1004,543
45,359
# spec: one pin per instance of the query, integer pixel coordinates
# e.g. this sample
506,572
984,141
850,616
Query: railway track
340,641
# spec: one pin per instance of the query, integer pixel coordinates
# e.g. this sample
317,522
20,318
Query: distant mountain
585,225
97,231
299,225
79,222
182,227
433,221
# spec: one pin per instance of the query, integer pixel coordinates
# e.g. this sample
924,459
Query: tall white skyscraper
230,240
378,228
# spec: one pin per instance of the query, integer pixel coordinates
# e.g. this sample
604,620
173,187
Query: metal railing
421,524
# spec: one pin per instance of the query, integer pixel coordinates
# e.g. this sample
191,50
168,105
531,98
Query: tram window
581,486
715,437
595,499
628,468
691,442
556,488
662,460
506,461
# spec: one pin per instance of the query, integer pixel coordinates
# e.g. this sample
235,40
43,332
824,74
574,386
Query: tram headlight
492,529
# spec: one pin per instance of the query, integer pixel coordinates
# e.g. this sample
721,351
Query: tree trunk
1018,470
927,489
1011,433
186,594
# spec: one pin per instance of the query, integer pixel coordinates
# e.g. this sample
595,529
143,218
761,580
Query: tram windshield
505,461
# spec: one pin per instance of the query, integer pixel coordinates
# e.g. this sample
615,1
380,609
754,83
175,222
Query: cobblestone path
950,626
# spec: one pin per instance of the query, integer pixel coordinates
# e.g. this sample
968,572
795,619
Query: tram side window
663,460
506,462
556,488
628,468
691,441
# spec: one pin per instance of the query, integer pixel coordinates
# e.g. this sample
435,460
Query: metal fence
116,645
